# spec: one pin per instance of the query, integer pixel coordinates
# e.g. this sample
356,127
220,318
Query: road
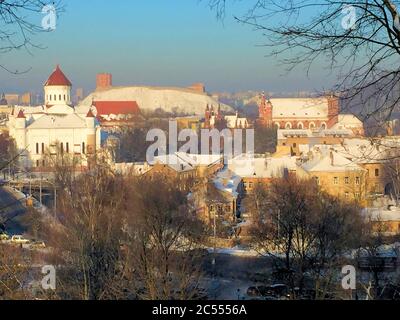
11,208
233,275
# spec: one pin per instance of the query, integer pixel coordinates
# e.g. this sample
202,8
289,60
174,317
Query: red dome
58,78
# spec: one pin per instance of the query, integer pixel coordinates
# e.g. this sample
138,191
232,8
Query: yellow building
335,174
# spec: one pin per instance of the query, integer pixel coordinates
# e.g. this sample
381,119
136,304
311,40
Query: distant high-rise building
103,81
12,98
26,99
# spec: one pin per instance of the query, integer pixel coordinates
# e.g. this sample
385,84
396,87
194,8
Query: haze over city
200,154
166,43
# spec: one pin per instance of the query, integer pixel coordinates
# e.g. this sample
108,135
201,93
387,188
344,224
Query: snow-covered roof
247,167
227,181
327,160
54,121
307,133
383,215
181,161
301,108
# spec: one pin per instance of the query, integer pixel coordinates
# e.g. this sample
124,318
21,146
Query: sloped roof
300,108
116,107
330,161
53,121
58,78
246,167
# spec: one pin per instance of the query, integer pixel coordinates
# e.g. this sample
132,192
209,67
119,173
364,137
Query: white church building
57,126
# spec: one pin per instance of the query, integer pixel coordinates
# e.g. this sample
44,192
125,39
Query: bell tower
265,111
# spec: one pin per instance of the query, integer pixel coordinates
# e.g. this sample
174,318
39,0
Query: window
83,148
59,97
55,97
37,148
37,163
357,180
346,180
50,97
67,147
376,172
42,148
62,148
336,180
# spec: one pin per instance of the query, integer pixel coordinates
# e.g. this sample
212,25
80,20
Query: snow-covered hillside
152,98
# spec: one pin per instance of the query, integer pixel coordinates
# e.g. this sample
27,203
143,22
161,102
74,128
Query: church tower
57,89
265,111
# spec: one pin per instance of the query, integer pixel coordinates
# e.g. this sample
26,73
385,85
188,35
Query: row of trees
308,233
124,238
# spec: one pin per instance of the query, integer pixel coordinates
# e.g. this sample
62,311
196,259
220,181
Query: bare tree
20,20
310,229
359,40
14,273
162,235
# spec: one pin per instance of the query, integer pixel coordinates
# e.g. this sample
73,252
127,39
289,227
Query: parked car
4,237
253,292
18,239
36,244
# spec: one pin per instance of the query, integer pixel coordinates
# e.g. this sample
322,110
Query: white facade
54,127
57,95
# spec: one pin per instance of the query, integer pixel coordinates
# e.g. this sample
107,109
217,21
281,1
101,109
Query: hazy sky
154,42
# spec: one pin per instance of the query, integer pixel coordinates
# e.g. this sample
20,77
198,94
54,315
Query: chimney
103,81
332,158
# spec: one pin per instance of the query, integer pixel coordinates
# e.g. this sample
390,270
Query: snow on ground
151,98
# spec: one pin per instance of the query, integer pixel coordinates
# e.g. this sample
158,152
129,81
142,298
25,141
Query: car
36,244
4,237
18,239
253,292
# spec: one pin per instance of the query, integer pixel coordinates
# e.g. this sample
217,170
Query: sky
154,42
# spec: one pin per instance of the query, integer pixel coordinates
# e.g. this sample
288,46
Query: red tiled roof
58,78
116,107
21,114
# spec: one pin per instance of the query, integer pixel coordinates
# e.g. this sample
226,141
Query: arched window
37,148
277,125
323,126
83,148
288,125
64,97
55,97
59,97
312,125
300,126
